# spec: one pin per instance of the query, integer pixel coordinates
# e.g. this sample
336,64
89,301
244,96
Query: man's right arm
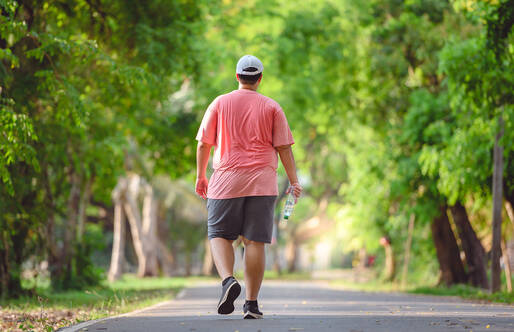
206,139
286,156
203,152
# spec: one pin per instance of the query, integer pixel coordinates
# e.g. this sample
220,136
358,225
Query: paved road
313,306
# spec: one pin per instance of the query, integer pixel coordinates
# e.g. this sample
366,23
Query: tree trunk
510,211
450,264
188,263
473,249
143,228
291,256
137,236
363,255
145,265
390,264
54,263
149,228
506,260
276,223
510,214
118,245
497,208
4,263
54,260
275,254
165,258
406,259
275,248
150,251
84,202
70,228
208,263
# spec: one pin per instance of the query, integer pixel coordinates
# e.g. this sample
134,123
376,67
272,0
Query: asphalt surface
312,306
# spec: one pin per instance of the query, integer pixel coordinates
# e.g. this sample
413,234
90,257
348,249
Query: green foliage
427,135
479,89
15,142
392,105
83,85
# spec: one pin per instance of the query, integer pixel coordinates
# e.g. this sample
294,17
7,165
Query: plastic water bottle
288,207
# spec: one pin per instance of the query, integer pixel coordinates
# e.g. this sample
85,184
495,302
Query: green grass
49,310
273,275
467,292
124,295
420,287
368,286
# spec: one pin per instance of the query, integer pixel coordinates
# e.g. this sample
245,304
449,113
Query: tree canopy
394,106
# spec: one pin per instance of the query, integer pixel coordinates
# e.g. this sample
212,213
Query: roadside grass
467,292
274,275
367,286
426,287
122,293
49,310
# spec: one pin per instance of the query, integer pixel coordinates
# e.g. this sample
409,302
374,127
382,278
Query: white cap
248,61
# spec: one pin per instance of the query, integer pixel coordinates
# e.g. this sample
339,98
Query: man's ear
237,77
260,78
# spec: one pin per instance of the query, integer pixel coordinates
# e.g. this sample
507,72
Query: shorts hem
257,239
243,195
223,236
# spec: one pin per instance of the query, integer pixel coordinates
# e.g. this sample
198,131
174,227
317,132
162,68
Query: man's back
245,128
245,122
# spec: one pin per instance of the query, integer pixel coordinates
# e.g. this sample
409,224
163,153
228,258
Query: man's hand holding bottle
294,191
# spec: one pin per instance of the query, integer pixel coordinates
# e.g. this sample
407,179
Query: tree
483,90
452,269
473,249
78,79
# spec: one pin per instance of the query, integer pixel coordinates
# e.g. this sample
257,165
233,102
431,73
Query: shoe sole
252,315
226,305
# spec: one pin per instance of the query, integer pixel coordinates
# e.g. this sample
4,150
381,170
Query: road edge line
79,326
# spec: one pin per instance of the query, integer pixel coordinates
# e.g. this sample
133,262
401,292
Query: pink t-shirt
245,128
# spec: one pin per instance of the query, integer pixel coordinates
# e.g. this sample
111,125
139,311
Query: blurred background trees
396,108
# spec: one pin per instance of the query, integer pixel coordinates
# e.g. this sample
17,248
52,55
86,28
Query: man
247,130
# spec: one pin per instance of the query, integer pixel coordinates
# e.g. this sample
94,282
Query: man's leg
257,230
254,263
223,255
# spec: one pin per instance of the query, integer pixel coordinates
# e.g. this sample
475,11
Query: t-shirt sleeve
281,133
208,129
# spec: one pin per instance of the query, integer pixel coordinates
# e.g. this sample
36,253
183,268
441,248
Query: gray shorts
250,216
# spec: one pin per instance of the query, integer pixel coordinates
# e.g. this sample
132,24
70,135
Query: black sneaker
229,294
251,311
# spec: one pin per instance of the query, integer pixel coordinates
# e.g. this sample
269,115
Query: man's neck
247,87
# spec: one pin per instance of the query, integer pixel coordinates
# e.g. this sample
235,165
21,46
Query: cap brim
250,73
